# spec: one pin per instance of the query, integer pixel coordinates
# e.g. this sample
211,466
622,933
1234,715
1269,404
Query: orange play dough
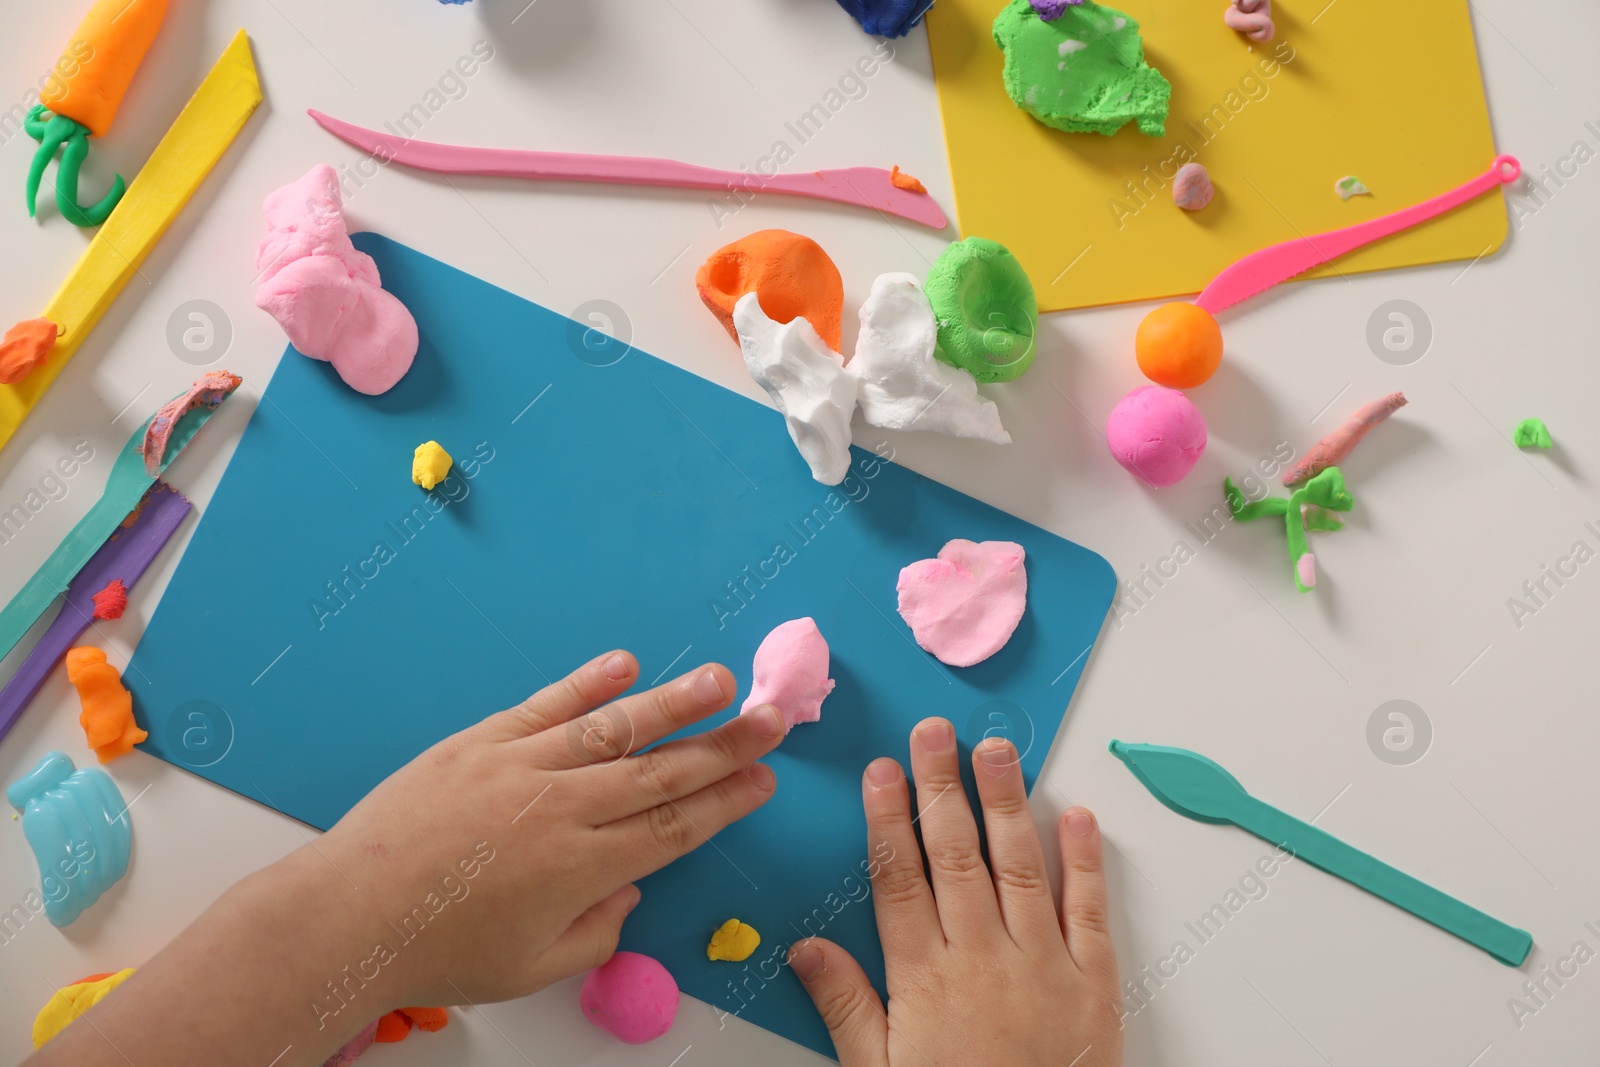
791,275
25,346
1179,345
901,180
107,716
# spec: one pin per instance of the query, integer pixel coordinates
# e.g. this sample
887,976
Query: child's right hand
982,967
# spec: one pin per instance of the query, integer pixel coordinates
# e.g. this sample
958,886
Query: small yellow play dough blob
735,941
430,465
68,1003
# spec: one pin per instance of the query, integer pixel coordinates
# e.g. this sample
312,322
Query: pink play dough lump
965,605
326,295
1157,434
791,673
630,996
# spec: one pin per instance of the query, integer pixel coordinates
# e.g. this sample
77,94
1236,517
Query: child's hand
554,812
982,967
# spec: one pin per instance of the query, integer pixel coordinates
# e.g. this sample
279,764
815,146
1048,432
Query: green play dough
1083,73
1531,433
988,315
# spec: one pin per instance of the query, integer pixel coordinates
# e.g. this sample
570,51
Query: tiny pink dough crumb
630,996
964,605
790,672
1157,434
1307,569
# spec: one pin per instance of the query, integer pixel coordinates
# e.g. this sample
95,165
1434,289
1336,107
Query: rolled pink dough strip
965,605
1332,449
631,997
791,673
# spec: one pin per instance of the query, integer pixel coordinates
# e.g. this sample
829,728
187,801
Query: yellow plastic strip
202,133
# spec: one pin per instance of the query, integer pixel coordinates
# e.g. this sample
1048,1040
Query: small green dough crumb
1349,186
988,315
1083,73
1531,433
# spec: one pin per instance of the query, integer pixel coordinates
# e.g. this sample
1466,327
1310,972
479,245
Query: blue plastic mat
602,498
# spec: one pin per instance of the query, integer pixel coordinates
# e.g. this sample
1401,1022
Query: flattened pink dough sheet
965,605
790,672
326,295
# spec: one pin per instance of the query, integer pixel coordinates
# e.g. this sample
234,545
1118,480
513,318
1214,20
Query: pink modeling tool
863,186
1262,270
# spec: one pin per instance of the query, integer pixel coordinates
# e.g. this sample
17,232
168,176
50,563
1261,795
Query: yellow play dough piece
430,465
197,139
65,1005
735,941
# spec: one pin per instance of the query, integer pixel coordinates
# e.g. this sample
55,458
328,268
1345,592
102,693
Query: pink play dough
965,605
326,295
630,996
1157,434
791,673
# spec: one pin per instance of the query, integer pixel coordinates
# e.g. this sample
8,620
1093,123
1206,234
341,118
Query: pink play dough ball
1157,434
630,996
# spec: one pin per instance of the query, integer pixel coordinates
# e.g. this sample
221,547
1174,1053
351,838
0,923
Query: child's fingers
644,843
590,940
961,882
845,999
1023,887
635,722
678,768
602,679
1083,896
908,918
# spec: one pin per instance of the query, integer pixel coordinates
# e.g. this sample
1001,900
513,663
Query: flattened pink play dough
1157,434
630,996
326,295
791,673
965,605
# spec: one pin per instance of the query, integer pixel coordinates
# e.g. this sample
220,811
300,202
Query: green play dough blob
1084,72
988,315
1531,433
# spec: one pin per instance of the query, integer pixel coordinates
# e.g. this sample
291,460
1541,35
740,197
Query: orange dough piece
901,180
93,74
107,716
1178,345
25,346
430,1019
393,1027
791,275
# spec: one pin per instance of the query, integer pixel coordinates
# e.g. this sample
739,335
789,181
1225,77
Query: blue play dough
887,18
601,498
78,827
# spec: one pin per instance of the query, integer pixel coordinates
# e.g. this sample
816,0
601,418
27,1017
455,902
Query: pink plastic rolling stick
1262,270
870,187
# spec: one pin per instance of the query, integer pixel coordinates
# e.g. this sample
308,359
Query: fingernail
882,772
768,721
706,687
616,667
807,961
1080,823
761,775
937,736
997,754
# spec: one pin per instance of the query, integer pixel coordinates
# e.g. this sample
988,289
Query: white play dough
903,385
807,381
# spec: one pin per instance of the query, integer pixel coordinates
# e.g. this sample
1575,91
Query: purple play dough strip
125,556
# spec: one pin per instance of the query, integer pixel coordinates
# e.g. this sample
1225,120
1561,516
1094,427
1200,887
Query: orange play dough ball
1179,345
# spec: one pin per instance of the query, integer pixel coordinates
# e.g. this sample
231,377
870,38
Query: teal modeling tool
125,487
1194,786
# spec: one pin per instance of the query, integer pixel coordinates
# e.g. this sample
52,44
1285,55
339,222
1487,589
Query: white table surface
1223,657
